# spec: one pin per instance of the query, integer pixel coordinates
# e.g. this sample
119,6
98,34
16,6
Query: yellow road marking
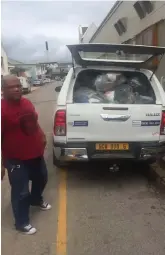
61,243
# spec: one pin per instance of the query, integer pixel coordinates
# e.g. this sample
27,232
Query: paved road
93,211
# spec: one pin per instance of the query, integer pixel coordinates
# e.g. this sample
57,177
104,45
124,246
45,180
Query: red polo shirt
20,132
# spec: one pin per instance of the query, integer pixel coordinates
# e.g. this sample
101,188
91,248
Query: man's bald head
7,78
11,86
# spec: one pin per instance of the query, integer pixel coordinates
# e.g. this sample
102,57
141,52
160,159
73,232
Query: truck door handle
108,117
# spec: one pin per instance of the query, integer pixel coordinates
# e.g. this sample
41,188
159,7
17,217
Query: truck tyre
145,165
57,162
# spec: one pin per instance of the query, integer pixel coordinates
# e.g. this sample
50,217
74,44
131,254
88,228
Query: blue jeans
20,173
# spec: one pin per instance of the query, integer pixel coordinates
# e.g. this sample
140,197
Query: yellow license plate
112,146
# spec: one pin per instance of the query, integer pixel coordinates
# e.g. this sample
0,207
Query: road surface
93,212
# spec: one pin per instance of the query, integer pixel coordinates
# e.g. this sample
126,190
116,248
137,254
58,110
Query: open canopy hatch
123,55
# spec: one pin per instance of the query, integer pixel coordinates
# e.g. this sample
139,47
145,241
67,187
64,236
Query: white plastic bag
109,81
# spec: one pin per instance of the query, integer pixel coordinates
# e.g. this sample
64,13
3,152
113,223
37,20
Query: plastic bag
124,94
109,95
143,99
135,83
109,81
86,95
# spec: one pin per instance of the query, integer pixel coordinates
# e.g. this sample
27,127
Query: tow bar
114,168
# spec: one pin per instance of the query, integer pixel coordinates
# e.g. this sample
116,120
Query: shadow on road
99,173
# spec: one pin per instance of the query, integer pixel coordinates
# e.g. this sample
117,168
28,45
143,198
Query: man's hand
2,172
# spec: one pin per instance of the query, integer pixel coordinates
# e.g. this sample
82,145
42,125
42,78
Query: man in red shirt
23,144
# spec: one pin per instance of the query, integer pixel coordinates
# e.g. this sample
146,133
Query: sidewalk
34,88
158,172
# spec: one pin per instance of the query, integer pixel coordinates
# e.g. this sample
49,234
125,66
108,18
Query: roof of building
14,62
64,64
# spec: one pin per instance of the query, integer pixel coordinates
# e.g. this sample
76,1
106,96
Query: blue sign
83,123
150,123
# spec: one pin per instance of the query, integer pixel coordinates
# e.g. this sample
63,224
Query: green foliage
16,70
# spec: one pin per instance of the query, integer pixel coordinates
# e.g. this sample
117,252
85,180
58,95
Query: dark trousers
20,172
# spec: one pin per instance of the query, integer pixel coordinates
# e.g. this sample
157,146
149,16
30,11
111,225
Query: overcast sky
26,25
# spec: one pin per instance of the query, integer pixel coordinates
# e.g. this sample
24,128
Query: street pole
47,55
47,51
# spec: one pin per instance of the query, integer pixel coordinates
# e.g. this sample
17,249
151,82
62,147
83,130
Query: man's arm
2,169
43,136
2,137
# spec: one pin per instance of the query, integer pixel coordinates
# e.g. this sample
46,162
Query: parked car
26,85
38,82
63,79
110,107
57,78
46,80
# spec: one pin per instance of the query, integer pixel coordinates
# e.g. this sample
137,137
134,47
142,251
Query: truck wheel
148,162
145,165
57,162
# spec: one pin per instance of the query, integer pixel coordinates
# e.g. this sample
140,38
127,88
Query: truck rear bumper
25,90
71,154
86,152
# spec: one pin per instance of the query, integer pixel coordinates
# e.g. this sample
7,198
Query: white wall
89,33
107,33
4,68
80,32
161,38
135,25
38,70
10,67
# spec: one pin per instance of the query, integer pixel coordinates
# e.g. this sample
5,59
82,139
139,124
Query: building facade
134,22
12,63
89,32
31,70
81,32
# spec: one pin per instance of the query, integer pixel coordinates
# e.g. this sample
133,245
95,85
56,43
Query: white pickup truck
26,86
111,106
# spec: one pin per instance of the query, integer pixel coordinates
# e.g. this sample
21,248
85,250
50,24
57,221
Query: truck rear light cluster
60,123
162,126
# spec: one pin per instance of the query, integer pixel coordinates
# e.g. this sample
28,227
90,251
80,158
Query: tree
48,71
17,70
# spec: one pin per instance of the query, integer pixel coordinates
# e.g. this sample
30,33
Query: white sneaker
28,230
45,206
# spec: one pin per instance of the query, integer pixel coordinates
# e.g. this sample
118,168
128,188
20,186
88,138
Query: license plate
112,146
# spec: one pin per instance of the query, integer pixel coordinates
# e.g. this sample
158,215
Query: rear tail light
162,127
60,123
